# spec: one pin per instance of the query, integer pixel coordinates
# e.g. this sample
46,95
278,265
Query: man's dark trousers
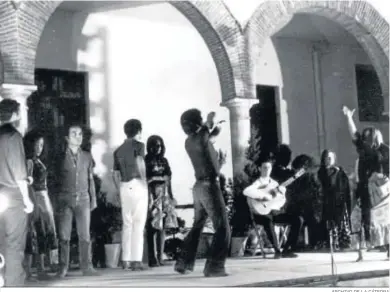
13,232
70,205
208,202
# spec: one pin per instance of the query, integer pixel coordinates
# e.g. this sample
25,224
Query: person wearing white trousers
130,177
134,201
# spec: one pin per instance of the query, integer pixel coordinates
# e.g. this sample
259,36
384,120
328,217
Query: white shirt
255,190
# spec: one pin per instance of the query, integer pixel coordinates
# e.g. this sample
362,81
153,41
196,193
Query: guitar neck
291,180
288,182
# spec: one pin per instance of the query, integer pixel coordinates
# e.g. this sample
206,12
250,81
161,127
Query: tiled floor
243,271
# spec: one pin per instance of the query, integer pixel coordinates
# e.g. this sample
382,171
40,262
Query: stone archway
220,31
357,17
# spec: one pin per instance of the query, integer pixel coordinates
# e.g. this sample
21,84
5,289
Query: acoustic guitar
273,200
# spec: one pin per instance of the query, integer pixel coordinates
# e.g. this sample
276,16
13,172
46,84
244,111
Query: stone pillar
20,93
240,130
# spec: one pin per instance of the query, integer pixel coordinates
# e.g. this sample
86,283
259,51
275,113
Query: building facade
223,65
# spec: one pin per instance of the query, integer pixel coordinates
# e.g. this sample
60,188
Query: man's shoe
289,254
215,274
181,268
31,279
154,263
137,266
54,268
90,272
360,256
277,255
62,273
43,276
126,265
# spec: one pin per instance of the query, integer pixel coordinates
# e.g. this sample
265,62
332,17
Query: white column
20,93
240,130
321,131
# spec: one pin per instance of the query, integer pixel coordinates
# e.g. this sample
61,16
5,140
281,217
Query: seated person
254,193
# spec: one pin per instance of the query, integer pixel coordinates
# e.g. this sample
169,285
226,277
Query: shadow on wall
1,69
99,108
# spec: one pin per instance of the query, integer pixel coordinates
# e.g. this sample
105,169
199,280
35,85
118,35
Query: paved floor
243,271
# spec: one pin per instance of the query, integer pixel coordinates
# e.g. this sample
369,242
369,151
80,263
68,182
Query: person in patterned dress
162,204
336,201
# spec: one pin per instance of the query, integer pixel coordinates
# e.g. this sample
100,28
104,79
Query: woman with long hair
43,224
336,201
373,160
162,213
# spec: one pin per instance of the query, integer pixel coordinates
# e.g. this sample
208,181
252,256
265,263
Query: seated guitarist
268,221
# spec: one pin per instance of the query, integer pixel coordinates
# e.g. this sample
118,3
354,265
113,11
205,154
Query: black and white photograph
195,144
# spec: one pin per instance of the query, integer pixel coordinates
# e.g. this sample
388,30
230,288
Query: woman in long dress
373,160
162,204
336,201
42,236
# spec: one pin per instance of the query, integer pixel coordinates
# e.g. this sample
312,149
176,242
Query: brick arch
358,17
210,19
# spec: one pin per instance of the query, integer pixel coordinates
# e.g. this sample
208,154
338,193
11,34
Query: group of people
35,225
137,175
322,198
29,223
144,186
143,183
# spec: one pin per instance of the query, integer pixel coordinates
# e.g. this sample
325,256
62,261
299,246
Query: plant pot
113,252
117,237
237,247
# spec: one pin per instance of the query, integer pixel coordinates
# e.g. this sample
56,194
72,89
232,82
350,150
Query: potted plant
240,218
106,225
241,222
174,240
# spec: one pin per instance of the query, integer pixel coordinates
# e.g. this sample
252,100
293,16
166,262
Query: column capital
19,92
240,102
240,106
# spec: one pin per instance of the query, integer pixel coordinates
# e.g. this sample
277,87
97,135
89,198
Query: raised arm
211,154
351,124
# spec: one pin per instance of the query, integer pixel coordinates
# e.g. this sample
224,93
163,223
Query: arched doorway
313,53
148,87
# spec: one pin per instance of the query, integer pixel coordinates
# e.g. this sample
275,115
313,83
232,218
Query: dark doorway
60,100
268,117
369,93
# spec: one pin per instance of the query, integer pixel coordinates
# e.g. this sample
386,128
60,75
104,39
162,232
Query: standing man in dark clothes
208,199
75,196
15,202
